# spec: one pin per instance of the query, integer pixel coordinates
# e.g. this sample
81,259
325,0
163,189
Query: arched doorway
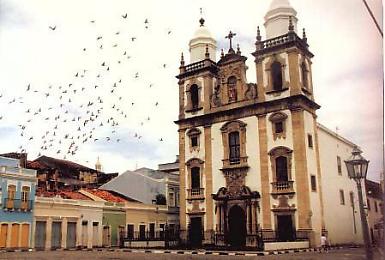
237,227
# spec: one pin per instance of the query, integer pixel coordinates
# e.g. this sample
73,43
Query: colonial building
375,207
255,166
95,218
17,196
56,174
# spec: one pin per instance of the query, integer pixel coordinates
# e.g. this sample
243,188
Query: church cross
230,37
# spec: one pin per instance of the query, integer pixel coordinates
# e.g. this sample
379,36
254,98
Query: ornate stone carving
251,92
216,97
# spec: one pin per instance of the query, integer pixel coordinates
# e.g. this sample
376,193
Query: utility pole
374,18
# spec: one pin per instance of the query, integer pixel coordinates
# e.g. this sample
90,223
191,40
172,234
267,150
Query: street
351,254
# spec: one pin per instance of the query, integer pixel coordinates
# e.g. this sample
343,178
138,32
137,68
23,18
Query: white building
254,163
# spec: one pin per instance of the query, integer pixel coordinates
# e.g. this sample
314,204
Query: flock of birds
81,110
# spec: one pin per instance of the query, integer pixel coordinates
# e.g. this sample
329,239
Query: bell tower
283,68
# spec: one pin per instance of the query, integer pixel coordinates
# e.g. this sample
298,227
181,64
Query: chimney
23,160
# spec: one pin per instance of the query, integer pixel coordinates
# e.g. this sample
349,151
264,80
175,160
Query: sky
102,83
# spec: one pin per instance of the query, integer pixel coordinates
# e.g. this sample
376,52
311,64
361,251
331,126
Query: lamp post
357,167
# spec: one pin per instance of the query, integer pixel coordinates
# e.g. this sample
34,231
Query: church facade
251,168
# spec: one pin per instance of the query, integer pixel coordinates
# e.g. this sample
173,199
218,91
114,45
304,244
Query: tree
160,199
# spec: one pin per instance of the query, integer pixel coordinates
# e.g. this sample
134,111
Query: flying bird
53,28
124,16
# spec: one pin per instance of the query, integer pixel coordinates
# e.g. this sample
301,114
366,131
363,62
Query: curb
184,252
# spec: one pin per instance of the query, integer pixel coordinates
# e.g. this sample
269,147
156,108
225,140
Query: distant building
375,211
56,174
17,196
145,184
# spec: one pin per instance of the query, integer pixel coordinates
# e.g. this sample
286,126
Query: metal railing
162,235
196,193
273,235
17,204
280,187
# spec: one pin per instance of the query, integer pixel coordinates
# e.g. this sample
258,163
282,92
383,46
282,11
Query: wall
339,219
114,218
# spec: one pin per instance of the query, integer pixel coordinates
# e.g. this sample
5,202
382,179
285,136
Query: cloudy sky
104,85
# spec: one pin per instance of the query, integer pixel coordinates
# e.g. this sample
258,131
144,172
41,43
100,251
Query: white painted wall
338,218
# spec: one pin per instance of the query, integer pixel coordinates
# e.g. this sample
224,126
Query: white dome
201,40
202,32
277,18
279,4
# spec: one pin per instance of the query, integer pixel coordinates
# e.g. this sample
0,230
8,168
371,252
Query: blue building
17,195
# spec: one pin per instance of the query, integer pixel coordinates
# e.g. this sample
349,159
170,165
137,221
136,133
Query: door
3,235
142,232
84,233
40,234
152,230
25,236
237,227
95,234
195,231
285,228
71,234
56,235
15,235
106,236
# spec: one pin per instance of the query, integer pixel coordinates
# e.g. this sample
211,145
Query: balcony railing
282,39
17,204
273,236
282,187
196,193
167,234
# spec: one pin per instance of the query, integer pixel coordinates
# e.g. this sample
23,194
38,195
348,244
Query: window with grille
195,178
342,197
310,140
339,166
281,169
234,147
313,182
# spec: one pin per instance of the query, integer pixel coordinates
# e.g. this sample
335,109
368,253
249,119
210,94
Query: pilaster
301,174
264,164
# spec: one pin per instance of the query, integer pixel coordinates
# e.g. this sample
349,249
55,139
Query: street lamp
357,167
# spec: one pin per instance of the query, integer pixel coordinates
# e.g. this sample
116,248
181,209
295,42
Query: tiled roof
58,163
106,195
36,165
63,194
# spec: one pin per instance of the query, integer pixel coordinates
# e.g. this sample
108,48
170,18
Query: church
256,168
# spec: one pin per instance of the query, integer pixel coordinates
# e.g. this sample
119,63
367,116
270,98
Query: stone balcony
282,187
196,193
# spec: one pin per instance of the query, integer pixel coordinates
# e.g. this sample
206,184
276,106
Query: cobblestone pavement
348,254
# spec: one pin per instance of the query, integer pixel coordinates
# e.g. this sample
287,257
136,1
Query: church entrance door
195,232
285,228
237,227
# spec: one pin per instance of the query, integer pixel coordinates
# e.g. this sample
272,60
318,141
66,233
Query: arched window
281,169
194,96
304,75
276,75
232,88
195,178
234,147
